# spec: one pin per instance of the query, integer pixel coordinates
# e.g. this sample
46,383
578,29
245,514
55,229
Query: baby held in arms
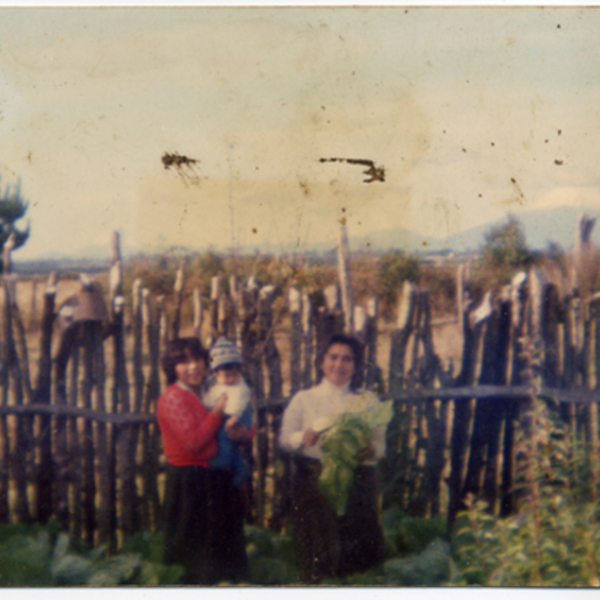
226,365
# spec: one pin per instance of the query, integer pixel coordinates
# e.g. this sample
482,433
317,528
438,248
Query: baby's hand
231,423
219,408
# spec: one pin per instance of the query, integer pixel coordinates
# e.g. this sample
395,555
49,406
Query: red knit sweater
188,428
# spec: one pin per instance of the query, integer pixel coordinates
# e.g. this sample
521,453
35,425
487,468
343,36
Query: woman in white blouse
328,545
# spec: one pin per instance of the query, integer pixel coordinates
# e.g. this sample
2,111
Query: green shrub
554,539
271,557
40,556
408,535
395,268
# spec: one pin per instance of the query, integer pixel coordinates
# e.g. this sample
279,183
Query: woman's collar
330,387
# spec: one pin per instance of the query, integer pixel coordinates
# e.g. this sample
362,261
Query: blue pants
229,456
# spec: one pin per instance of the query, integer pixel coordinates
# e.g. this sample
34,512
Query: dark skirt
204,530
328,545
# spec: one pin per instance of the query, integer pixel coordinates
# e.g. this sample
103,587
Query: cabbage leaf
342,444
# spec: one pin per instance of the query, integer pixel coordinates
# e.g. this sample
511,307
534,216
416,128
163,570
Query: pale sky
455,103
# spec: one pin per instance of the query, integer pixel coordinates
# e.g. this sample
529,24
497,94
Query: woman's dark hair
357,354
181,350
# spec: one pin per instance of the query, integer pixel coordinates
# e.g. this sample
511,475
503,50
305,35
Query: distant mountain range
556,225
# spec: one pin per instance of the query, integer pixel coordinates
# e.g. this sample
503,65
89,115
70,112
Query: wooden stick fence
82,445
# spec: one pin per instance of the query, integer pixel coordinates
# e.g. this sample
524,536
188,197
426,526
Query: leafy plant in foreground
554,539
271,557
41,556
341,447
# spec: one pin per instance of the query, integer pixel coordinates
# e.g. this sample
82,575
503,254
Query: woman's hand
310,437
366,453
219,408
239,434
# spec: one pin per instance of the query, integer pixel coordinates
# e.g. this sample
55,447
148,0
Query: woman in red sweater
203,510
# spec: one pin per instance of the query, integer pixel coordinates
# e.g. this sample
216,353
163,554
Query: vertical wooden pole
360,321
150,471
130,521
116,302
74,451
22,432
374,374
551,337
7,254
22,354
460,296
344,276
33,318
435,414
329,321
518,371
6,458
397,457
235,325
295,308
463,409
591,410
197,301
253,366
89,479
307,334
64,458
106,531
271,354
484,423
178,294
400,337
215,294
43,395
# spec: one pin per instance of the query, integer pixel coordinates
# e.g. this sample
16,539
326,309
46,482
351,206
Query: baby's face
230,375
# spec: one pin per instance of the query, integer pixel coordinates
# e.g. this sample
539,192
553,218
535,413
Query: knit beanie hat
224,353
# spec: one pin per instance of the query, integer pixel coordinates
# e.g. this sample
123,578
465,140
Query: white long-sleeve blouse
319,407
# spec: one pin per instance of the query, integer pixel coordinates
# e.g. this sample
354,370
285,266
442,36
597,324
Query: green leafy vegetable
341,447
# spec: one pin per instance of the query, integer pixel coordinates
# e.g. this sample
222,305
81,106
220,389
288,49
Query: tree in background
505,246
395,267
12,208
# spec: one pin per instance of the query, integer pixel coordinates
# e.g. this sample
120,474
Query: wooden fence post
487,423
75,467
307,335
329,321
89,479
344,276
43,395
197,322
518,298
65,456
150,497
5,358
436,418
360,333
106,507
178,294
397,451
215,294
400,337
19,461
295,308
474,321
374,374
